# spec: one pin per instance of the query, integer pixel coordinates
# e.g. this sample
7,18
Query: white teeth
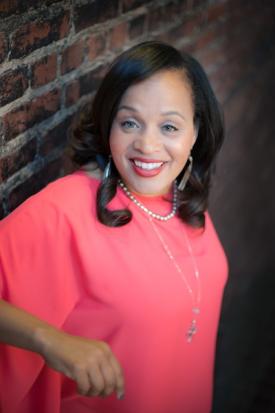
148,166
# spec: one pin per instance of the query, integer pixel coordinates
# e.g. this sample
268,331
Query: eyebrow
127,108
171,112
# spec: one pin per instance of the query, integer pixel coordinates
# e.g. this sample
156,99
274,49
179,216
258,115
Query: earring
186,175
107,169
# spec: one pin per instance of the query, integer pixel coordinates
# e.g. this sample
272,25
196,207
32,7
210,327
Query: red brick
55,138
13,84
173,35
72,93
118,36
159,17
216,11
39,33
72,57
17,160
210,35
137,26
47,2
33,184
128,5
44,71
198,3
155,19
194,24
95,12
3,46
188,47
52,170
26,115
23,191
8,7
90,81
96,45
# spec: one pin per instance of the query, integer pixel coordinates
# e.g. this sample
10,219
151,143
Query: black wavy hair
91,139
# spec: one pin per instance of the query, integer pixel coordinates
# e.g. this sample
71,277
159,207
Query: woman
112,285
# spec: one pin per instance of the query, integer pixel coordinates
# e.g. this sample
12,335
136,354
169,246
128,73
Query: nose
147,142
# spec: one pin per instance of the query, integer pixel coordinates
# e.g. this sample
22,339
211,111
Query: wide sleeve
38,273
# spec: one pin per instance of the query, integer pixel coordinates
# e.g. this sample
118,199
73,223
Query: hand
90,363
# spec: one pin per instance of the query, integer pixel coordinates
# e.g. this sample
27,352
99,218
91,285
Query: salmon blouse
118,285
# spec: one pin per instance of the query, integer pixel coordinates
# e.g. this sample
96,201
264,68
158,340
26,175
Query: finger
120,385
83,383
109,377
96,380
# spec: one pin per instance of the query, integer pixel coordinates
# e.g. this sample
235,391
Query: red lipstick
146,173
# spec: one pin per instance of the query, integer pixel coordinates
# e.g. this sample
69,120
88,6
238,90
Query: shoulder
70,190
68,196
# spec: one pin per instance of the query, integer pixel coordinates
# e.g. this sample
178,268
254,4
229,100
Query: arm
19,328
90,363
40,273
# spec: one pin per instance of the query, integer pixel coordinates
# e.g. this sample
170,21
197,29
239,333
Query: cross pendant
191,331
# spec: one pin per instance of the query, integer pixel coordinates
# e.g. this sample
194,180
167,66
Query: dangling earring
107,169
186,175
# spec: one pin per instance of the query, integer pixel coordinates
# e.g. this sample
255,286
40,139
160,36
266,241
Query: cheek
118,148
115,142
180,151
120,142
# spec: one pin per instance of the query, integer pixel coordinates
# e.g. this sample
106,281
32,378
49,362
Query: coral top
113,284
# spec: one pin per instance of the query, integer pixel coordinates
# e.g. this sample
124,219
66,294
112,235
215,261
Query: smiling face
153,132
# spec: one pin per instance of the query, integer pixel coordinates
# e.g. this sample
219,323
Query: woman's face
153,133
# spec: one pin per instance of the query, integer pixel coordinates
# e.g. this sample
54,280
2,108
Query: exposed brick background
13,84
44,70
53,54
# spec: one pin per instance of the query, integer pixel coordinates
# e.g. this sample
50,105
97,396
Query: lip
146,160
147,173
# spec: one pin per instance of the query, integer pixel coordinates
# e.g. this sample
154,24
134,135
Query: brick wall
53,54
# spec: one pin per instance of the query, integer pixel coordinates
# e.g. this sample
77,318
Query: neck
147,210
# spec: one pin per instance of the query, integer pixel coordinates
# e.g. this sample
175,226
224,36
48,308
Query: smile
148,166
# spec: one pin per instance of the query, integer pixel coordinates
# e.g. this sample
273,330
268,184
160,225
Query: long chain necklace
196,299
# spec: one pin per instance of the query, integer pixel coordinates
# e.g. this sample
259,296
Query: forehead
162,89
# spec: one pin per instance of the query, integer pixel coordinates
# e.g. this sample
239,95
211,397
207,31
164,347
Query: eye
169,128
129,124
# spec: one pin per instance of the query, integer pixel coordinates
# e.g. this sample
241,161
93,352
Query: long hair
91,140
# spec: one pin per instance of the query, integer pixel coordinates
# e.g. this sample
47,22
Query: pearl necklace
192,330
148,211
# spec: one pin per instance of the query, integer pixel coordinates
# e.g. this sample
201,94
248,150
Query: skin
154,122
